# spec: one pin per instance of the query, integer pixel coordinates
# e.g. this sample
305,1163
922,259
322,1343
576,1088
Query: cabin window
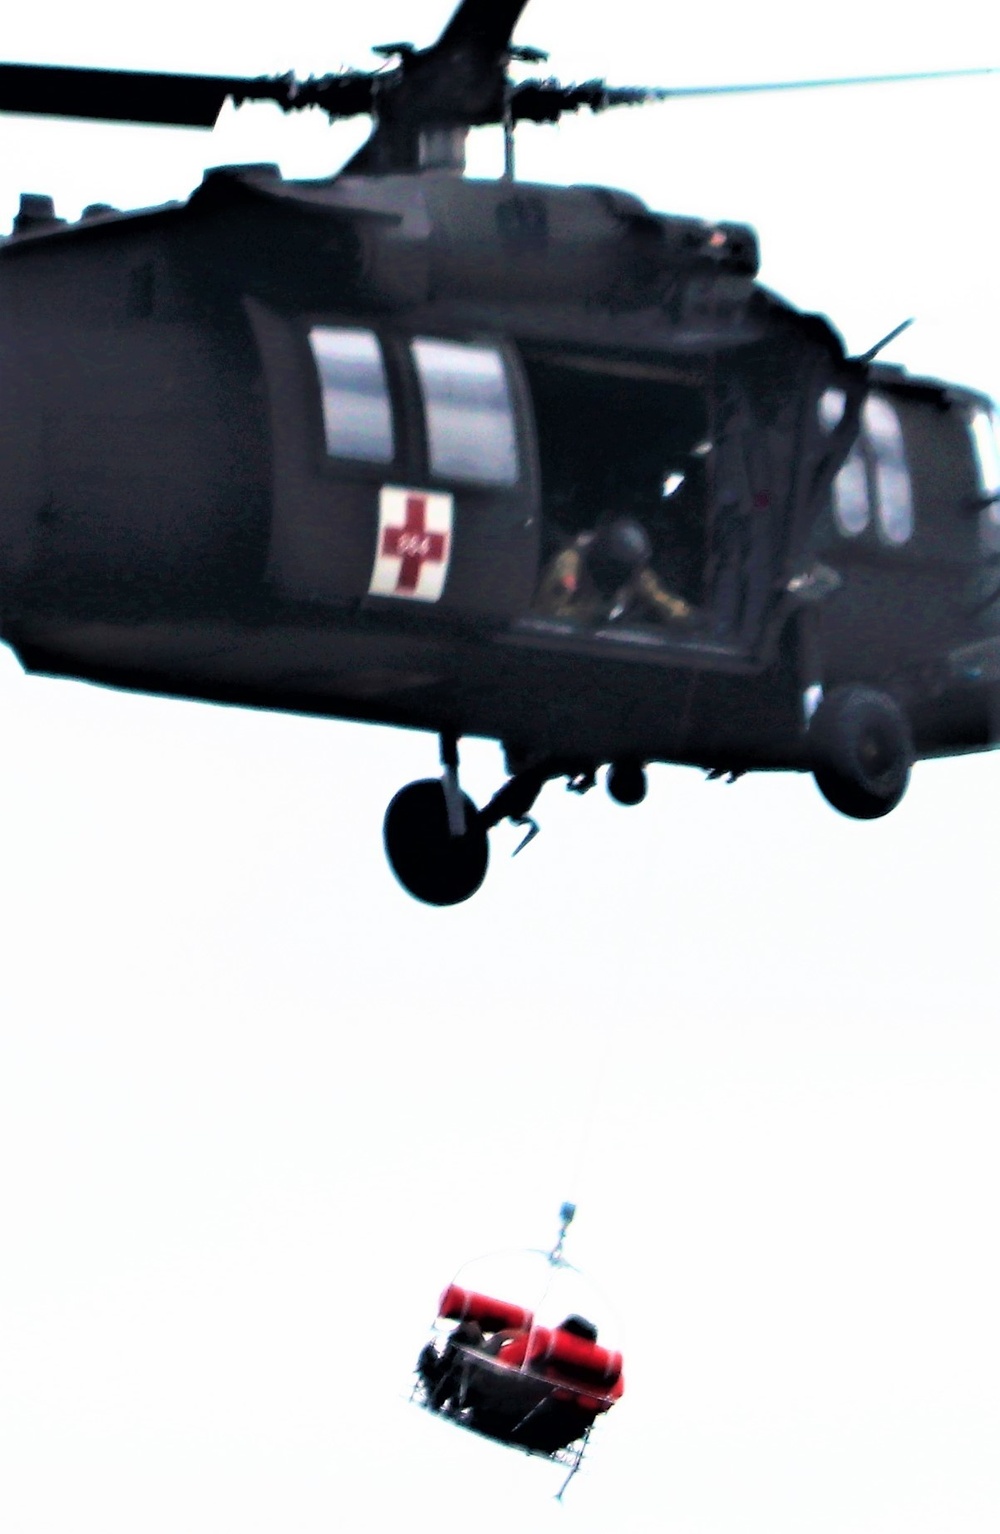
985,428
851,506
874,475
468,411
851,501
357,412
831,408
893,498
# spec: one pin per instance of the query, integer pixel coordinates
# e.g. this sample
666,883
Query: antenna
873,351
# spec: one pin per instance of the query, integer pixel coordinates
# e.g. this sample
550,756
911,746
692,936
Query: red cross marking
413,544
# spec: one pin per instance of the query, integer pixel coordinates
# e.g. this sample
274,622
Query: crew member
442,1373
578,1326
605,575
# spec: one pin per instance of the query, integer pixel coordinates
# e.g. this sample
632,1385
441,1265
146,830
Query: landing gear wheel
433,865
862,751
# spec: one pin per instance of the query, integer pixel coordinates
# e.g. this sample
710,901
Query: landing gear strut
437,841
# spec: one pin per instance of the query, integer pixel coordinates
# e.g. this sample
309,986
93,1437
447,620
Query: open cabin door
680,449
404,471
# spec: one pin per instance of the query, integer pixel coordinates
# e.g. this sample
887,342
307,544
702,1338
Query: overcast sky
257,1105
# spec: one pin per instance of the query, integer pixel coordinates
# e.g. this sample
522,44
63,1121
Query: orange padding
459,1304
574,1358
585,1375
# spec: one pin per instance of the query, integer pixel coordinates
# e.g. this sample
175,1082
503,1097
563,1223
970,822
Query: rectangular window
850,494
874,472
467,407
851,502
892,479
985,427
357,411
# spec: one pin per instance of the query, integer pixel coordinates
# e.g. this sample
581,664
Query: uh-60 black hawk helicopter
480,458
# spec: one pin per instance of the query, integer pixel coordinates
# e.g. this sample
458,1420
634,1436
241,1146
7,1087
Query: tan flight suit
567,591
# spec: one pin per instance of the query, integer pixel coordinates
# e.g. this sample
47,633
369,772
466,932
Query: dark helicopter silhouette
481,458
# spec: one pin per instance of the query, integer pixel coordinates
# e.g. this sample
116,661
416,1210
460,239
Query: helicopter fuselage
320,446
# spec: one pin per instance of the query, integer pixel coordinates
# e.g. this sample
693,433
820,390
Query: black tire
862,751
626,782
434,866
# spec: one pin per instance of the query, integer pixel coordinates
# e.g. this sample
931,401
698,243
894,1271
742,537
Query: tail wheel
862,751
435,866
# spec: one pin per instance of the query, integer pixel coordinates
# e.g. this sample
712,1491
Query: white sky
256,1105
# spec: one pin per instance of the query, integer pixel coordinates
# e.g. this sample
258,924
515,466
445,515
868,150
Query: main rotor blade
665,94
187,101
485,25
545,100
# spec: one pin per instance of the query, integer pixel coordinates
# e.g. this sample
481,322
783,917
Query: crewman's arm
560,583
664,602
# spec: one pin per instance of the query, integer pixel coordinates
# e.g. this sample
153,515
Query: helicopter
480,458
